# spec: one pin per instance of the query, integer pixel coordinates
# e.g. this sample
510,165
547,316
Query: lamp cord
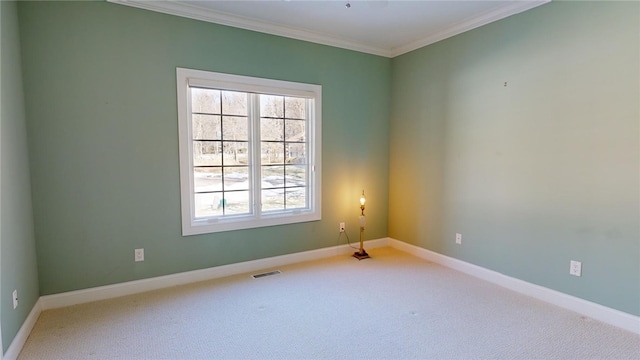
348,240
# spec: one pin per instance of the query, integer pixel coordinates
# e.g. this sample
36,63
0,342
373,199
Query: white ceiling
381,27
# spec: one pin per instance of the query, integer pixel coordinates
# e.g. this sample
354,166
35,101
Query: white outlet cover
458,238
139,255
575,268
15,299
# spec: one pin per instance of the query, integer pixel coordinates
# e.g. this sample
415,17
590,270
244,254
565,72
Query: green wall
533,174
538,172
17,243
100,91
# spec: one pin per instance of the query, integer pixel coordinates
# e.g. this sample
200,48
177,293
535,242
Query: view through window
249,151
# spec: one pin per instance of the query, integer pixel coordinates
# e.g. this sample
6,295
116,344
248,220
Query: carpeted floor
393,306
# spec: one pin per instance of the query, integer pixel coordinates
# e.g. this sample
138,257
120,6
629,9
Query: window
249,151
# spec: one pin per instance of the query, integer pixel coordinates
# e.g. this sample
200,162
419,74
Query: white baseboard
595,311
21,337
602,313
160,282
138,286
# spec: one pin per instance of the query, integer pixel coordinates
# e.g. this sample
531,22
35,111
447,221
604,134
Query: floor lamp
361,254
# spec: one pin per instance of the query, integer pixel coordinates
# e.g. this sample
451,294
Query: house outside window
249,151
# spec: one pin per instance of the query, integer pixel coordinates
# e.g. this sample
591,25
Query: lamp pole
362,254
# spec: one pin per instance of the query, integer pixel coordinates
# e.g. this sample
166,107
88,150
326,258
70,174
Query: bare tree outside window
220,131
282,134
249,151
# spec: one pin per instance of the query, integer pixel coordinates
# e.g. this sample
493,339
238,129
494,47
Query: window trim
192,226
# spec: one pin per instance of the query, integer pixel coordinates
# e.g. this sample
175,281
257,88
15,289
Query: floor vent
257,276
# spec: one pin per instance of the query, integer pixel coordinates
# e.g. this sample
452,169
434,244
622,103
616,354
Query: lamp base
361,255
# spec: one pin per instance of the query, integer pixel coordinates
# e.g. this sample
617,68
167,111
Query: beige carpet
393,306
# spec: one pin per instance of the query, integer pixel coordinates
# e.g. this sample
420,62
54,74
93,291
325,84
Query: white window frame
214,80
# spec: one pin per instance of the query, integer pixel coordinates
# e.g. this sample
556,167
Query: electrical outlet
341,227
458,238
139,255
15,299
575,268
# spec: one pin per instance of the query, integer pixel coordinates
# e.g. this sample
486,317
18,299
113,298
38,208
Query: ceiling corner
469,24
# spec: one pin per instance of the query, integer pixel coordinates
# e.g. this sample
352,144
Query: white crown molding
222,18
469,24
208,15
